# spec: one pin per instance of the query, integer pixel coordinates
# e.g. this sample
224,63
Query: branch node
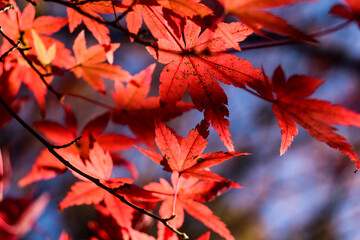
170,218
68,144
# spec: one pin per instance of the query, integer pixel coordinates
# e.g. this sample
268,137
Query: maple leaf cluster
194,47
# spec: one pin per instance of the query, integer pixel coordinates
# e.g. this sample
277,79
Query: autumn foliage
195,46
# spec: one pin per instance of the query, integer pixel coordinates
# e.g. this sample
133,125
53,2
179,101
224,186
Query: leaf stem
68,144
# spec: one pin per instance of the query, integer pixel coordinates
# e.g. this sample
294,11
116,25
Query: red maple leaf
47,166
138,111
189,193
173,10
291,105
99,165
99,31
186,157
195,62
25,24
253,14
351,11
90,64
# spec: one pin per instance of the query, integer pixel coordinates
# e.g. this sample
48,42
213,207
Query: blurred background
310,192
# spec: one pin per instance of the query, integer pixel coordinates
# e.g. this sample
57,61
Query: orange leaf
90,64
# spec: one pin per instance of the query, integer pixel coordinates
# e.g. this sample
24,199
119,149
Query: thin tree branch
42,76
68,144
118,18
96,181
280,42
22,52
288,41
112,24
9,51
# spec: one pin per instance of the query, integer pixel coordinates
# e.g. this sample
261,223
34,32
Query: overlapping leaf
90,64
172,9
18,26
99,165
195,62
186,157
291,105
138,111
190,192
47,166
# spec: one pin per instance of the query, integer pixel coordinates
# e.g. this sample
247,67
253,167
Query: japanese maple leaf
90,64
138,111
195,62
291,105
186,157
190,193
99,31
351,11
174,8
45,56
25,24
47,166
25,21
253,14
99,165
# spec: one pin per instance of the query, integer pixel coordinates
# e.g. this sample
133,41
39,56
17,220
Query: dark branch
9,51
22,52
96,181
69,144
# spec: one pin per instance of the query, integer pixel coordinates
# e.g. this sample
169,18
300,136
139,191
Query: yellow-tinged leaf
44,55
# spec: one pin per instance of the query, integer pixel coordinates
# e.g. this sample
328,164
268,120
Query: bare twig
112,24
68,144
288,41
9,51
